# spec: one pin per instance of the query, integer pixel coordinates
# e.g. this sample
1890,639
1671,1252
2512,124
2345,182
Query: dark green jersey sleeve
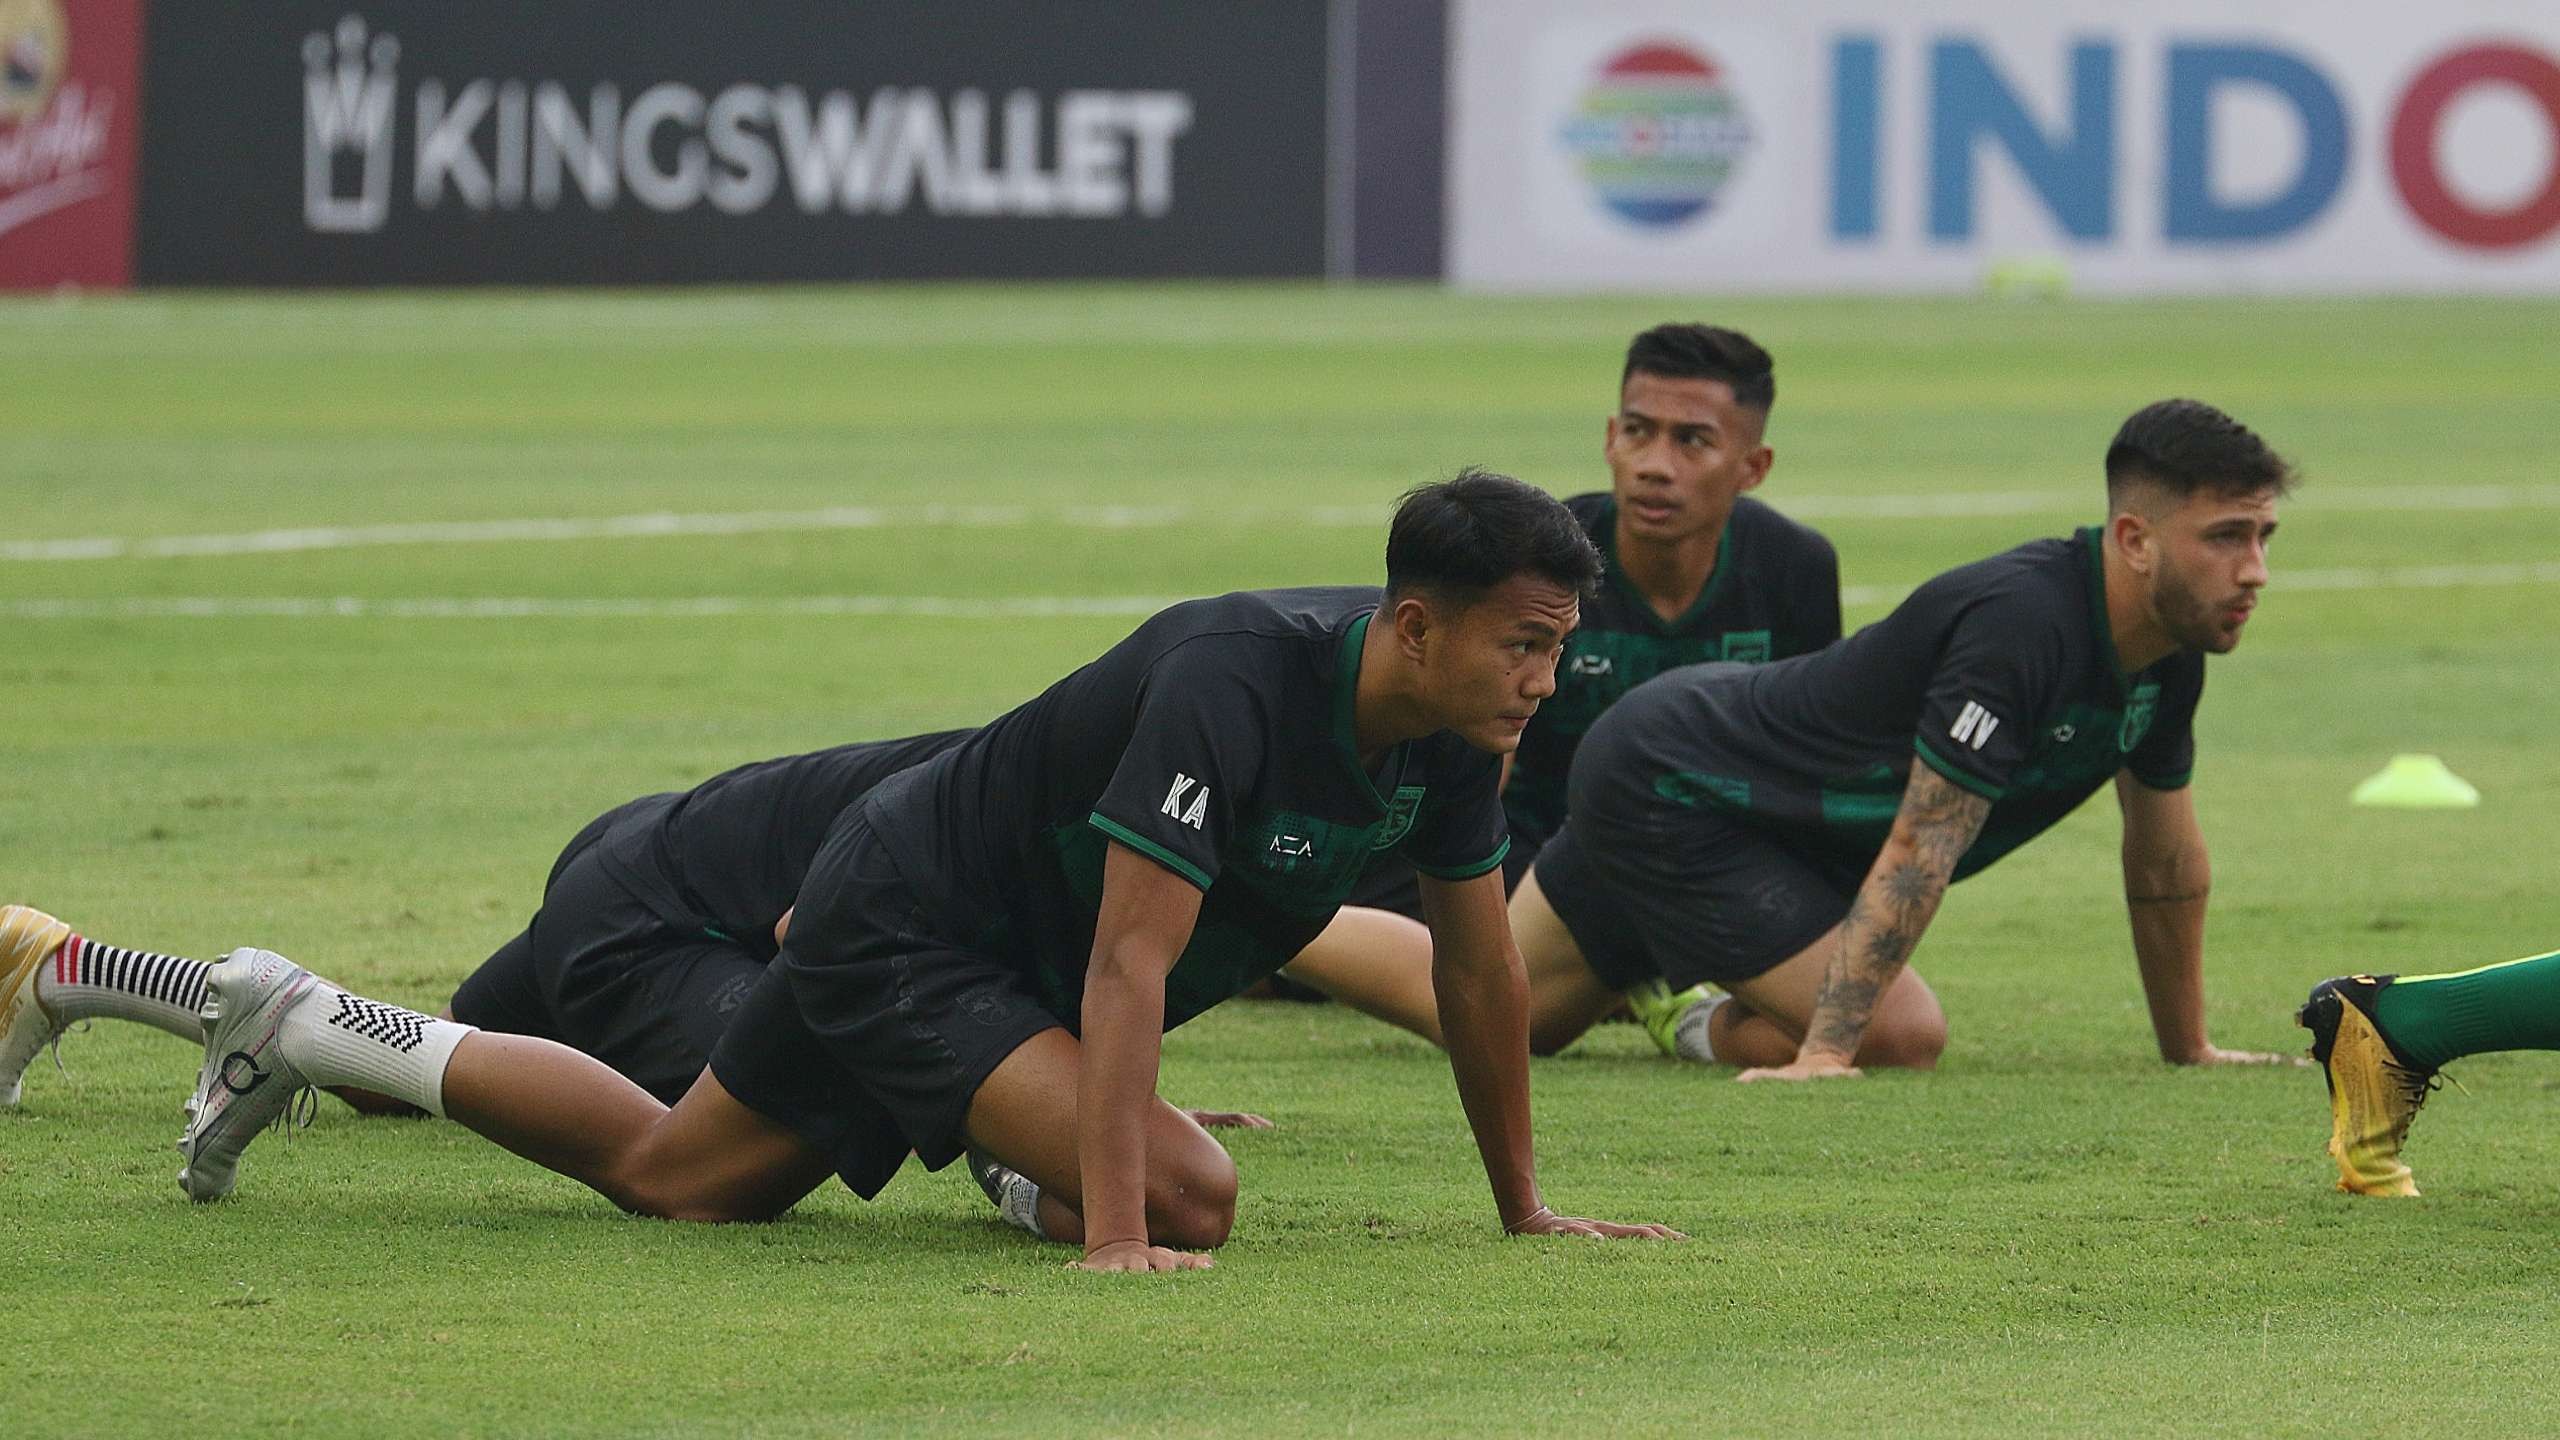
1194,759
2000,665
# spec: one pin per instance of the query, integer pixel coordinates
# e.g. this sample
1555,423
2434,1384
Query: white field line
1010,607
660,525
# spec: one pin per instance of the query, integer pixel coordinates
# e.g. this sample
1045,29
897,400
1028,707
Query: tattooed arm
1936,825
2167,878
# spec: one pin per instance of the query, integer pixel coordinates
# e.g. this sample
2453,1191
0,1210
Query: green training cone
2417,782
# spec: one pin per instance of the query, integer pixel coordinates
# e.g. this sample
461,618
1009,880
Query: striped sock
86,980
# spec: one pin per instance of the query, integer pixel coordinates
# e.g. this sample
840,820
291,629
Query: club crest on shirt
1749,647
1399,822
2137,715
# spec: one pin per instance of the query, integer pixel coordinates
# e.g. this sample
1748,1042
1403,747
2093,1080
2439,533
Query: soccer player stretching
988,947
1697,570
1786,831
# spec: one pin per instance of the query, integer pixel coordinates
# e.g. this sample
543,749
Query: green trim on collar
1151,850
1708,594
1346,724
2097,575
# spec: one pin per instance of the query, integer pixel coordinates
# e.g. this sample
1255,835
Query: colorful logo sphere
1658,134
34,48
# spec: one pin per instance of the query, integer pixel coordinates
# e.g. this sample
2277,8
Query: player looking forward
1697,570
1787,831
988,946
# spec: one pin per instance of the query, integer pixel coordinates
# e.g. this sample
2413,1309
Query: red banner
70,122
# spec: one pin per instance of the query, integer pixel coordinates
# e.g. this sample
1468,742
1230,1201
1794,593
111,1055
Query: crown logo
347,125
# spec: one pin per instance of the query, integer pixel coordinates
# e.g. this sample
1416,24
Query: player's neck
1386,707
1669,574
2138,637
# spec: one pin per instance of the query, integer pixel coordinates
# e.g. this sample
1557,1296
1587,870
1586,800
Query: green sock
2435,1018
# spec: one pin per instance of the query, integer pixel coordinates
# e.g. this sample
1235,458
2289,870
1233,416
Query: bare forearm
1116,1085
2166,905
1486,1020
1884,924
1937,824
2167,879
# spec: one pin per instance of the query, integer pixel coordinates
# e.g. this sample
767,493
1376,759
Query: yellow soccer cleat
1660,1009
2373,1092
28,938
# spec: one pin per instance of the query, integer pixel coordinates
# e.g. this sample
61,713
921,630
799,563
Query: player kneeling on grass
1786,831
987,948
2382,1038
657,920
1697,570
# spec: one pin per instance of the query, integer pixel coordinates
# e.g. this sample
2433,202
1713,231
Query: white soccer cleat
28,939
246,1084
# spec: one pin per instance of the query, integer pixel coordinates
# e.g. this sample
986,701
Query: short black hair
1706,352
1460,538
2187,447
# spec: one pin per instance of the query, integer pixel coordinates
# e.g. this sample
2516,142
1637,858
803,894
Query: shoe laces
2414,1087
298,1112
53,1046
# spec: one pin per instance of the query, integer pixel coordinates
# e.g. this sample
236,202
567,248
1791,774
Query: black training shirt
2000,675
1217,742
1775,592
727,857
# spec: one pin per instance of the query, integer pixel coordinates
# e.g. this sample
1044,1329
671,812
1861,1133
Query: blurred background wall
1816,146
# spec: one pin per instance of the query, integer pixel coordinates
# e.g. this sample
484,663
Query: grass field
364,746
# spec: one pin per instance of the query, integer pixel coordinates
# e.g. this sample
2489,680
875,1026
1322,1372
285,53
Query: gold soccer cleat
28,938
2373,1092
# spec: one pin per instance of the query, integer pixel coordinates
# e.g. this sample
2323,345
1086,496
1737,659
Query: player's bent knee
1194,1208
1547,1040
1906,1043
642,1182
674,1198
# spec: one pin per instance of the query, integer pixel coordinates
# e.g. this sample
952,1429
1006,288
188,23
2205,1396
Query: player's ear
1414,622
2134,539
1755,466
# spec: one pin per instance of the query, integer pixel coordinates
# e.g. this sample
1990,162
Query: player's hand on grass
1133,1256
1819,1067
1543,1221
1228,1120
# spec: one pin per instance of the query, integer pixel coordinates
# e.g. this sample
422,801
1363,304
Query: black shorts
602,971
869,1037
1389,883
1684,896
